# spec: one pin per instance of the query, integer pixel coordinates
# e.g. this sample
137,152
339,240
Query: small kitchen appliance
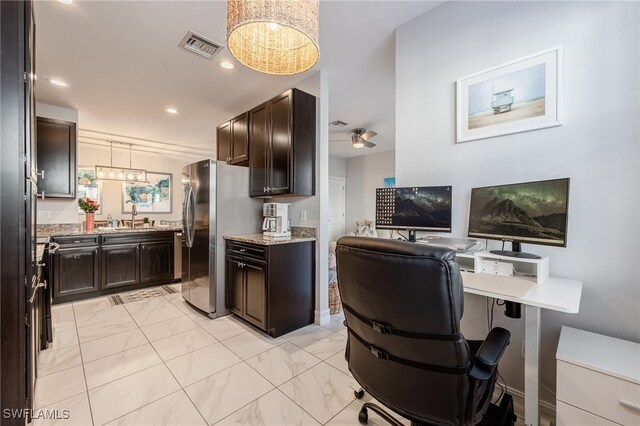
276,220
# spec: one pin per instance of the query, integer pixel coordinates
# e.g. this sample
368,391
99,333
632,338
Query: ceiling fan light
357,144
274,37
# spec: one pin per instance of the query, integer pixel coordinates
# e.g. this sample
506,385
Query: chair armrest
489,353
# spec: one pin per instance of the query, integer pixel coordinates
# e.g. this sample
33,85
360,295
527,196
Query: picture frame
89,186
153,196
518,96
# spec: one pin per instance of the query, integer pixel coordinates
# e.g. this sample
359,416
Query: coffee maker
276,220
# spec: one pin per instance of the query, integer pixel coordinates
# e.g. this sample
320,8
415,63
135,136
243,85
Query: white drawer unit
598,380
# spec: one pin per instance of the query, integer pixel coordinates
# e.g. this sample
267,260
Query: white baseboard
322,317
547,409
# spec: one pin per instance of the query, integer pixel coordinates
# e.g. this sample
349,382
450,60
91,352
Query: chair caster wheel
359,393
363,417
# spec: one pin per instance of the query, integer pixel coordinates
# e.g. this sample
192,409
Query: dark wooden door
156,261
223,133
280,116
240,140
57,157
120,265
76,270
255,300
259,150
235,285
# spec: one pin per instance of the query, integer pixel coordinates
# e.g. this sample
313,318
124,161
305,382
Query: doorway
336,207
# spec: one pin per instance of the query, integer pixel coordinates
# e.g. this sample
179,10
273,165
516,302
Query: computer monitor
426,208
531,212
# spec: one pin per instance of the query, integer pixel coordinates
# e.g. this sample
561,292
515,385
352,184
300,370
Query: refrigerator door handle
184,212
192,218
187,217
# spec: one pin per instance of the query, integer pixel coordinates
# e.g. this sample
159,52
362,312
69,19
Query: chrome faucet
134,213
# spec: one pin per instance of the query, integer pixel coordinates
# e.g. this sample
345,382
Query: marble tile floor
160,362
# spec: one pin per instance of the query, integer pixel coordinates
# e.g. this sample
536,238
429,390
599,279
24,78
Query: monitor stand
412,235
515,252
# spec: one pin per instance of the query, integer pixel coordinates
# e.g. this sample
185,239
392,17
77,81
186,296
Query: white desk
556,294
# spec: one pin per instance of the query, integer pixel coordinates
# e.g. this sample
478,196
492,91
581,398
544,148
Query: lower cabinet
90,265
120,265
76,271
156,261
271,287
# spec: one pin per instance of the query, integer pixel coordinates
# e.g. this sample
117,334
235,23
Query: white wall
597,146
66,211
363,175
337,166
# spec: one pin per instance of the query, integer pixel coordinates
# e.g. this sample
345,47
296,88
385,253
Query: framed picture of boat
518,96
153,196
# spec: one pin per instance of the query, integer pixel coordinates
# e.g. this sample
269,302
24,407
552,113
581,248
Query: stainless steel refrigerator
216,203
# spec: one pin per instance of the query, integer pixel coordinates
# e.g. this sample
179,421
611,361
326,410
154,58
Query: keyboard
458,244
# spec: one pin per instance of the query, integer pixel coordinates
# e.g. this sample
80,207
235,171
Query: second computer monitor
421,208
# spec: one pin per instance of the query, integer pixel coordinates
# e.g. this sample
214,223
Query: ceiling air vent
199,44
337,123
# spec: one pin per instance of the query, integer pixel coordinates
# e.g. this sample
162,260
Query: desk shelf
529,269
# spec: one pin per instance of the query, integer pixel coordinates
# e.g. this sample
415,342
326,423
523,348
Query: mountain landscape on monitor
535,210
432,209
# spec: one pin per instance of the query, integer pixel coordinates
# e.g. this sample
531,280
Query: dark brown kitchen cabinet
271,287
56,147
235,285
282,135
156,261
233,140
76,271
120,265
92,265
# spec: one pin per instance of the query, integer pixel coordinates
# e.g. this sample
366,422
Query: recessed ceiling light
57,82
227,65
65,1
171,110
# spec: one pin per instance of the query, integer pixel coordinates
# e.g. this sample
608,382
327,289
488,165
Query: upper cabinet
233,140
56,147
282,146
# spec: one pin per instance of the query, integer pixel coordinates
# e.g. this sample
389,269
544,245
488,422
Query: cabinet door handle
40,195
41,174
631,405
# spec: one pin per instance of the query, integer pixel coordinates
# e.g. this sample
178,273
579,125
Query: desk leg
531,354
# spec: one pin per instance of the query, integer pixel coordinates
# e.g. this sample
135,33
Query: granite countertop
260,239
62,232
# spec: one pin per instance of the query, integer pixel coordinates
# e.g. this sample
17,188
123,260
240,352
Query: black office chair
403,303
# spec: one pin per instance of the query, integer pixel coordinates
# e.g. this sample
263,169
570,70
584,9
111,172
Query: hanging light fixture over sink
274,36
123,174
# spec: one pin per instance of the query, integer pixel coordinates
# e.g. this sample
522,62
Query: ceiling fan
360,138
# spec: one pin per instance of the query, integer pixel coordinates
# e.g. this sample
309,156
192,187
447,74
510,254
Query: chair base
500,415
496,415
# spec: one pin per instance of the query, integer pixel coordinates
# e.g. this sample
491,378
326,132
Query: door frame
344,199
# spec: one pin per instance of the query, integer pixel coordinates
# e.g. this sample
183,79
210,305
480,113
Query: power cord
403,237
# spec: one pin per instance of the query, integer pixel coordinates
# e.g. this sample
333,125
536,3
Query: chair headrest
402,248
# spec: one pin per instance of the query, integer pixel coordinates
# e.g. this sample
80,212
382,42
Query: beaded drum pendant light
274,36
